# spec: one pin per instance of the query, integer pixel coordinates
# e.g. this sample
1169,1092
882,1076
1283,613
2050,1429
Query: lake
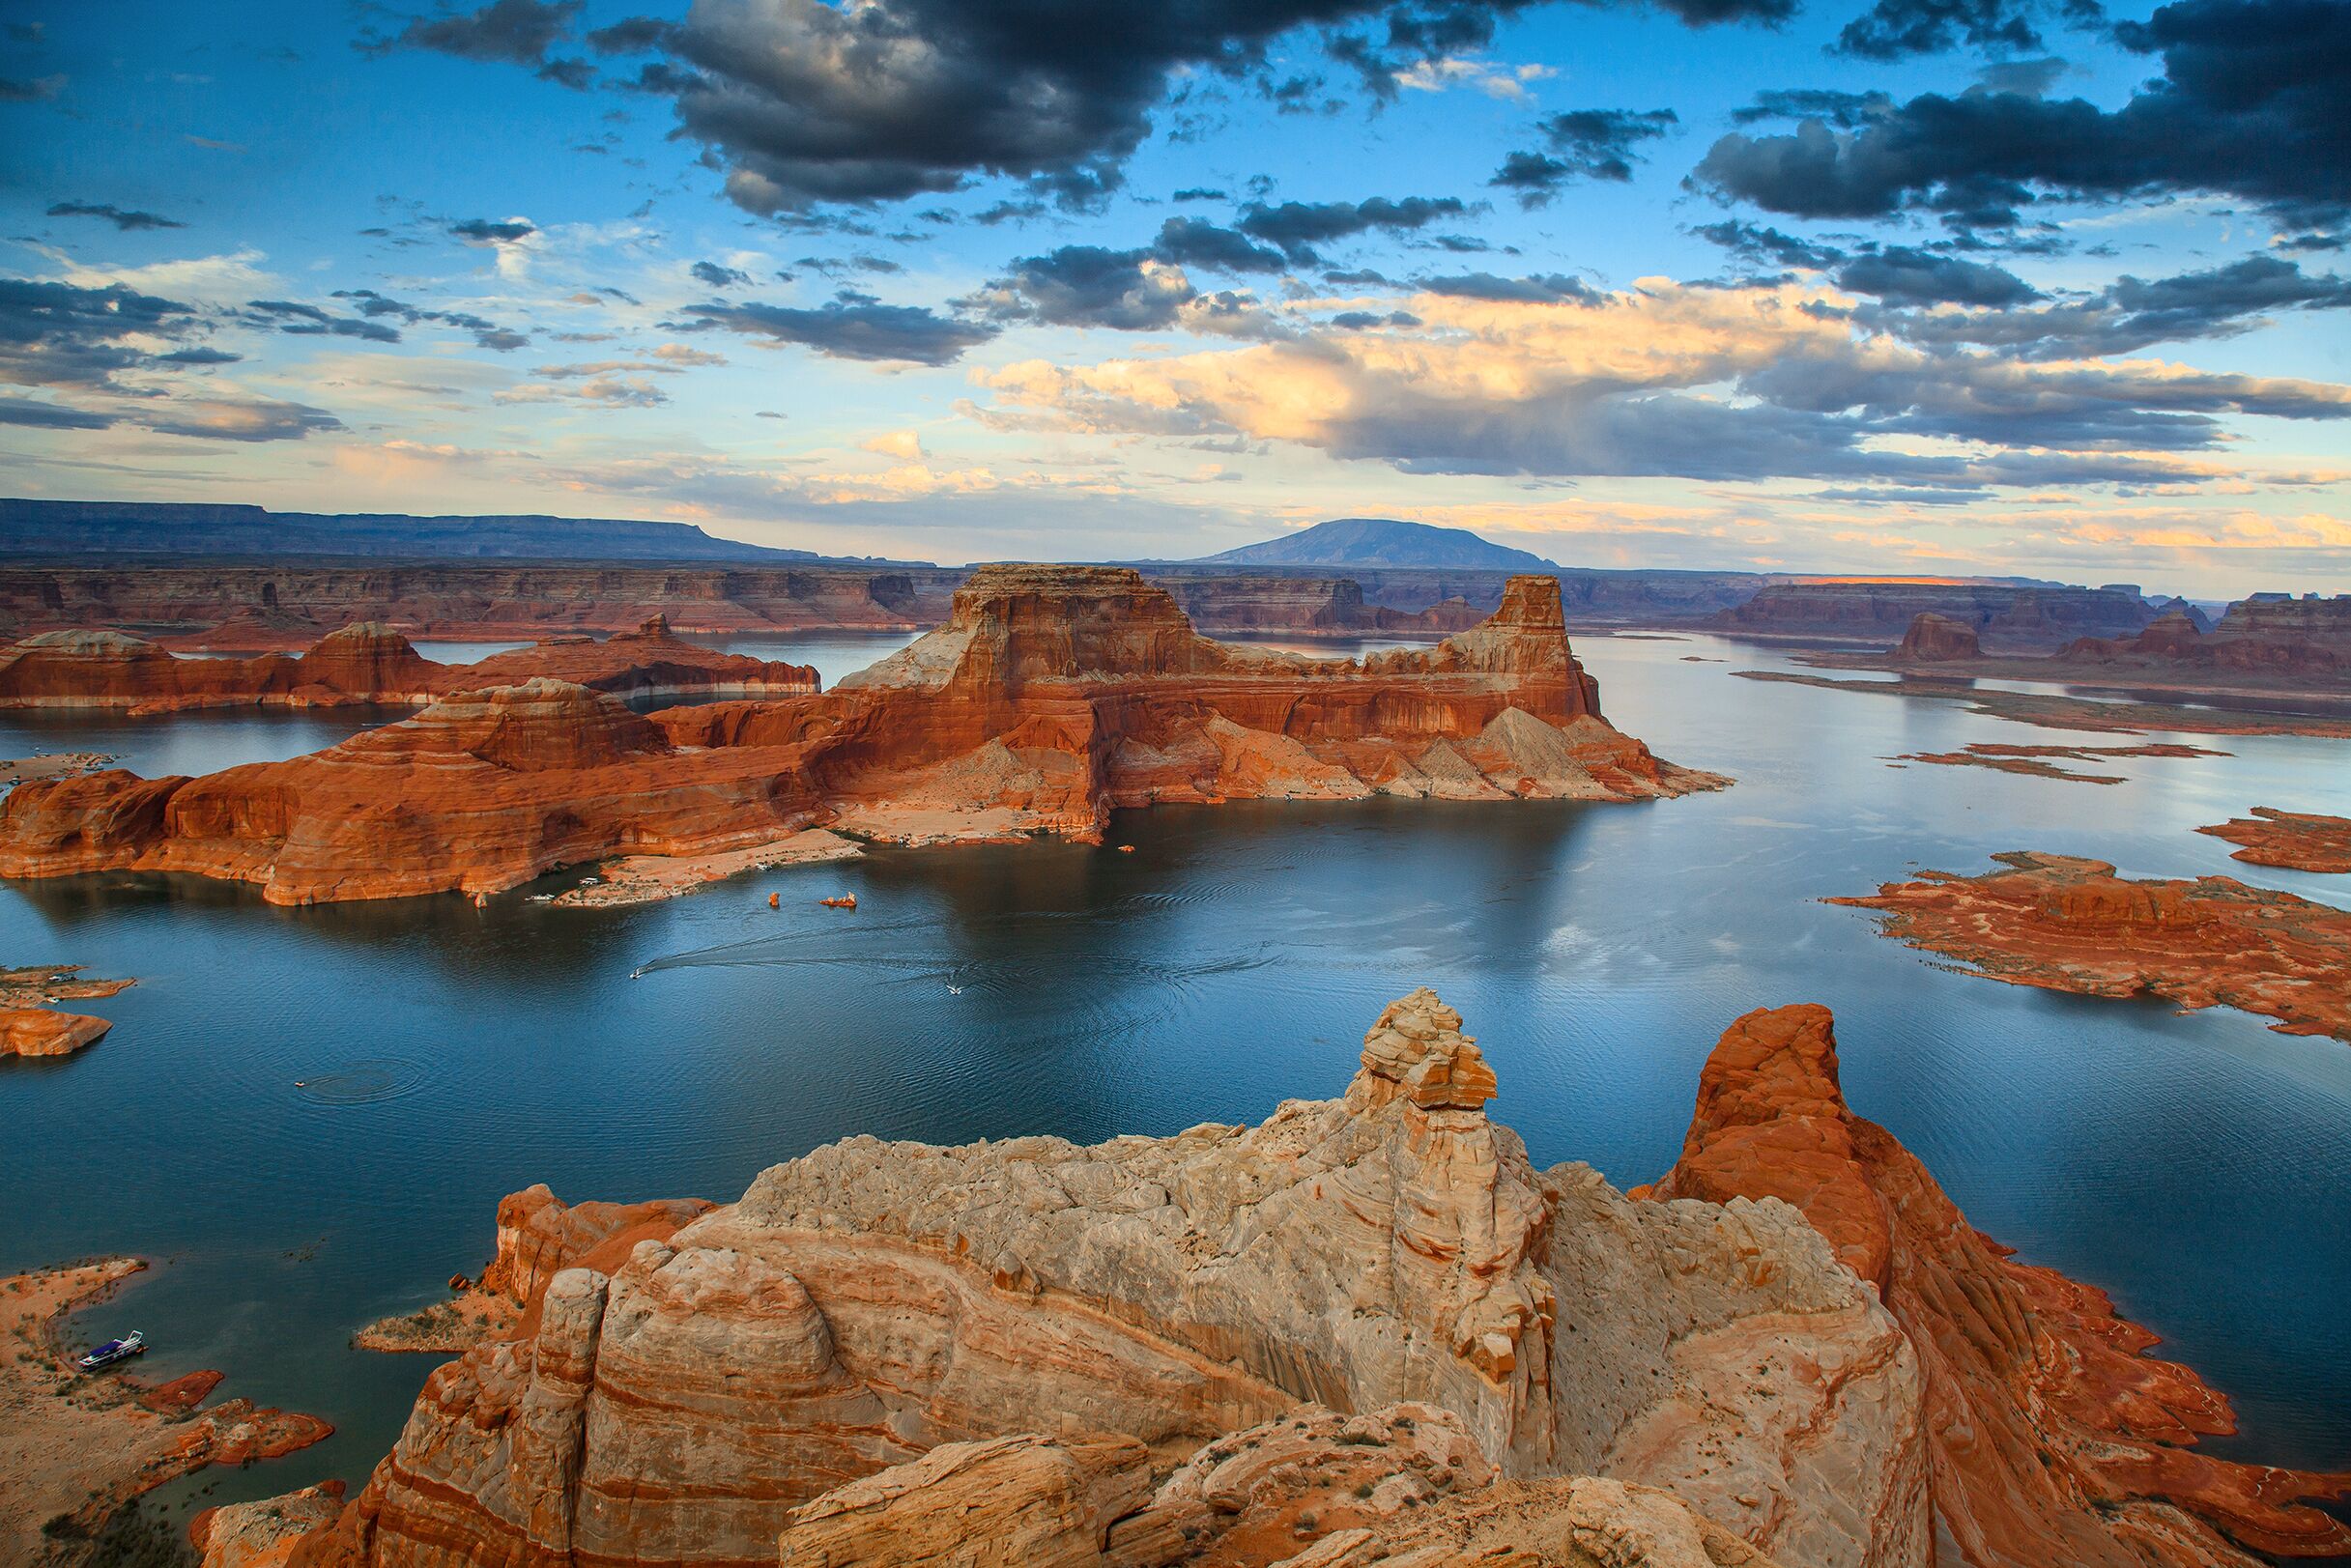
449,1055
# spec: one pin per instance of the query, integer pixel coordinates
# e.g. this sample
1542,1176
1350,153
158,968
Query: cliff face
2002,616
863,1310
2055,1440
2277,637
1053,696
1934,639
368,664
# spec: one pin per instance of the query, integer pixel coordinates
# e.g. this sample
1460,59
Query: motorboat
133,1342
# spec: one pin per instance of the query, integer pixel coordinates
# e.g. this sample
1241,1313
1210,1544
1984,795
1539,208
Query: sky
1881,286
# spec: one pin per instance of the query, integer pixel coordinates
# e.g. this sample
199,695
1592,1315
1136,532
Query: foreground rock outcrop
2068,923
1052,697
2054,1438
2302,841
1307,1341
369,663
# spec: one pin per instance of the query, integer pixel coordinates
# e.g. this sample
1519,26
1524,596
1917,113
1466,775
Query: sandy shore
76,1446
52,765
643,878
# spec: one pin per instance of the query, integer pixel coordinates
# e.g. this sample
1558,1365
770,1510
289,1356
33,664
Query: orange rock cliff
2054,1439
1050,697
368,662
1331,1333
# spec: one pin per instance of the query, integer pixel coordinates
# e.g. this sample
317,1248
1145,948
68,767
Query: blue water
2196,1166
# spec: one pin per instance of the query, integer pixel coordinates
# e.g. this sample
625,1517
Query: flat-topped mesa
871,1304
369,663
2054,1438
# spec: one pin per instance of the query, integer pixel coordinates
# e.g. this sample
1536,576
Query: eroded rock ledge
1317,1339
1052,697
2068,923
2055,1440
2302,841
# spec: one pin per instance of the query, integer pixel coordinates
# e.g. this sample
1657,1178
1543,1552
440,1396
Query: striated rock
866,1304
369,663
28,1025
2054,1438
2002,614
2302,841
1934,639
263,1534
2071,925
1052,697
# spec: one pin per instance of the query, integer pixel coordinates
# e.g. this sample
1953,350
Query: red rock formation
2302,840
368,664
875,1314
2037,762
2003,614
2071,925
1053,696
28,1027
1934,639
261,1534
2054,1438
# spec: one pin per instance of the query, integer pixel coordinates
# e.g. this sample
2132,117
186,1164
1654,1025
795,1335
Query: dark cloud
720,277
241,420
1844,110
1905,275
2132,313
1199,193
512,32
1296,228
58,334
198,356
38,90
2254,102
1194,241
2316,243
1768,247
858,329
1352,320
805,103
116,215
1089,286
1581,144
309,320
485,230
1543,288
632,35
1892,28
19,411
487,334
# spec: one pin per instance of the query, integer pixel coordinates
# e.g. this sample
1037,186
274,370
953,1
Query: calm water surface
2196,1166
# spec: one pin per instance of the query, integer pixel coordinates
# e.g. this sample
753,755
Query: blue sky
1923,286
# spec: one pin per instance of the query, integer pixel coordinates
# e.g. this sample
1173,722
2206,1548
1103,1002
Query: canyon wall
1052,697
879,1338
2002,616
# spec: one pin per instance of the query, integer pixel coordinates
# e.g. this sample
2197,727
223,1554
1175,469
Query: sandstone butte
1050,697
368,664
2071,925
2052,1439
1934,639
2301,841
29,1023
1366,1331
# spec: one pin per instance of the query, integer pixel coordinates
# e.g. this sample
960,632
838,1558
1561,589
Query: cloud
487,334
1507,82
1296,228
1090,286
1581,144
241,420
1193,241
720,277
1672,380
24,412
851,330
898,443
484,231
1911,277
309,320
1543,286
116,215
805,103
38,90
60,335
1765,246
2252,103
596,391
514,31
1893,29
1844,110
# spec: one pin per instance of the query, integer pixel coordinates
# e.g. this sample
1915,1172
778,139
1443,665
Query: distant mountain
81,527
1382,541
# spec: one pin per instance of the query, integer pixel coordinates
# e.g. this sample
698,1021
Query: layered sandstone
821,1358
30,1025
2054,1438
2001,614
1934,639
1052,697
2071,925
2302,841
261,1534
370,664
